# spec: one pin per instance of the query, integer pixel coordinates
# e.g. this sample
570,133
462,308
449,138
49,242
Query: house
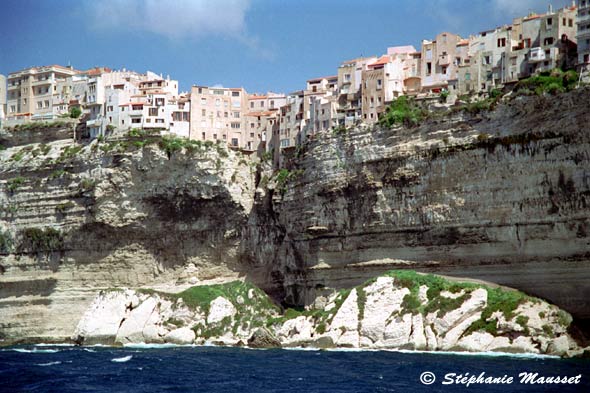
218,114
439,64
349,108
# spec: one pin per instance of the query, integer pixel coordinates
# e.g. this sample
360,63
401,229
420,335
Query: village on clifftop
446,67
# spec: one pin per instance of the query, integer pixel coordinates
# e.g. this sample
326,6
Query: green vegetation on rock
402,111
39,239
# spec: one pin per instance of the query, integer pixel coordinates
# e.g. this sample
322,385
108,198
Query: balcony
536,55
42,82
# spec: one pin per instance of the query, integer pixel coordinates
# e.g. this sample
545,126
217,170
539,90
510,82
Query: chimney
550,9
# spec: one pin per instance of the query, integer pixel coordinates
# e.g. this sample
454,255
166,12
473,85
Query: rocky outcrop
501,196
222,314
400,310
77,219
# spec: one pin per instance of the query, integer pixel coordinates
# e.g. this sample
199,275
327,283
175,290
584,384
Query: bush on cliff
403,111
39,239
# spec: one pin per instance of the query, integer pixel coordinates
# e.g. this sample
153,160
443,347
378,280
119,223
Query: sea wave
122,360
35,350
156,346
48,364
486,353
55,345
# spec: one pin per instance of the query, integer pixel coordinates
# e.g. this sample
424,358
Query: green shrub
57,174
75,112
14,183
38,239
63,207
6,242
404,111
86,185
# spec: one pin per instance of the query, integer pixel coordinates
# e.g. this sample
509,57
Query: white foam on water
89,350
487,353
35,350
150,346
122,360
55,345
48,364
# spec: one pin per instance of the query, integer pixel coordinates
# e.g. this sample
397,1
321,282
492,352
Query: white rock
131,330
180,336
102,319
525,344
350,338
559,346
382,300
347,316
397,331
499,343
295,330
475,303
219,309
154,334
418,339
476,341
451,338
431,341
423,294
250,293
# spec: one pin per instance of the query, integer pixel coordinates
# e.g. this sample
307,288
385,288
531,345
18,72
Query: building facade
218,114
583,34
30,92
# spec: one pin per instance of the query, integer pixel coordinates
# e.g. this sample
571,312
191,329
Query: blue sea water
62,369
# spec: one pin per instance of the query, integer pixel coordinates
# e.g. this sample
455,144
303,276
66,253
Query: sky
261,45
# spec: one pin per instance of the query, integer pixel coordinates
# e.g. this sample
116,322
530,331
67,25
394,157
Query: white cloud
172,18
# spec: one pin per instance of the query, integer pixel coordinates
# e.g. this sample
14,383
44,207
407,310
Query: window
12,109
109,108
235,125
444,69
549,21
153,111
215,136
217,102
203,112
548,41
262,104
428,68
379,83
236,115
252,104
251,135
39,105
203,101
234,141
203,135
136,121
570,22
563,21
467,76
501,42
160,121
235,93
487,60
272,104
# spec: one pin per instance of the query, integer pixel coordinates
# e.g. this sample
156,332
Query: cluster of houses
113,101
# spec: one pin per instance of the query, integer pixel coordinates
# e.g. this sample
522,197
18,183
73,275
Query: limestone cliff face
501,196
77,220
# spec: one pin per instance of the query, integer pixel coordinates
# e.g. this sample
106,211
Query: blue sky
261,45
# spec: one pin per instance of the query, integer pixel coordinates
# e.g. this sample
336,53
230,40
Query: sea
149,368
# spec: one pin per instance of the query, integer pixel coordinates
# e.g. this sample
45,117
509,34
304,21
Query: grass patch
63,207
285,176
57,174
552,82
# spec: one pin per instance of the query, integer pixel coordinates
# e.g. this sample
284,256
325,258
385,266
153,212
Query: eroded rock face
86,219
500,196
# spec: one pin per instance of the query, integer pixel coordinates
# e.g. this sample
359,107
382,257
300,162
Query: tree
75,112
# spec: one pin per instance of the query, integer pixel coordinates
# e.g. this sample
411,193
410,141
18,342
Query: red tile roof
381,61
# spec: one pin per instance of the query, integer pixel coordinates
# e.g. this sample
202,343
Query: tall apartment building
218,114
389,77
291,122
439,63
324,87
2,99
583,33
349,109
262,119
30,92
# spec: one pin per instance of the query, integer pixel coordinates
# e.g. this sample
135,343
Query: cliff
501,196
77,219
